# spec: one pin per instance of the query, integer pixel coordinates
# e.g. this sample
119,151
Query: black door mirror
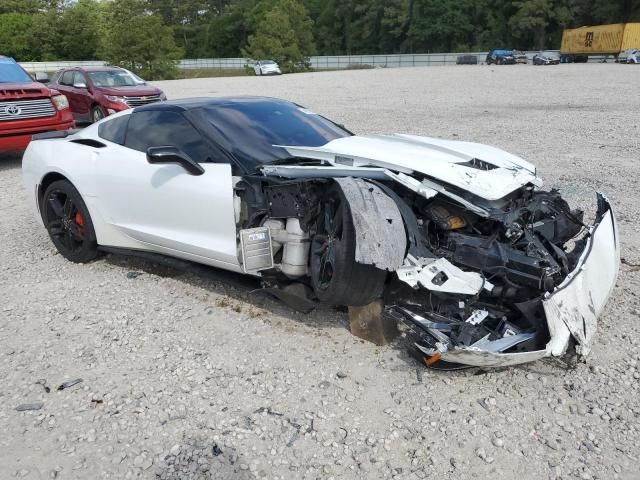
169,154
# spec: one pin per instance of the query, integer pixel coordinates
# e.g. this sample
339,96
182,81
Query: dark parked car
467,60
501,57
95,92
546,58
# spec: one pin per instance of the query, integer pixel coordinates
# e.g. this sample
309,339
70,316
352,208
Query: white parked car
633,56
480,264
266,67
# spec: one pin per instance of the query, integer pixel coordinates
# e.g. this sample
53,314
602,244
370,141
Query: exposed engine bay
463,275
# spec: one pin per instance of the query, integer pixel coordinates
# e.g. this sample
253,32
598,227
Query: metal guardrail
328,62
54,66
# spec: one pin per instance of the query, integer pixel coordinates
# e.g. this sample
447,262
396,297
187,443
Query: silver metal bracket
255,245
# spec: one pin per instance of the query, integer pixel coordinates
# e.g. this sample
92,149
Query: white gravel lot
196,376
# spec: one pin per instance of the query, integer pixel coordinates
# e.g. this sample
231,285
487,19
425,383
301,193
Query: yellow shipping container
601,39
631,37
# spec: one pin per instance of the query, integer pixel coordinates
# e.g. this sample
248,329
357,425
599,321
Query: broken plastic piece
43,382
441,276
23,407
502,344
432,359
70,383
477,317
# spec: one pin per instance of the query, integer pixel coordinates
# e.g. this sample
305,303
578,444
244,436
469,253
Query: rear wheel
336,277
96,114
68,222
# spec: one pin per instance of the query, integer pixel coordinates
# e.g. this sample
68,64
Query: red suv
95,92
27,107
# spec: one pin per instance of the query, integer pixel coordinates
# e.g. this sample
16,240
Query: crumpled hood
482,170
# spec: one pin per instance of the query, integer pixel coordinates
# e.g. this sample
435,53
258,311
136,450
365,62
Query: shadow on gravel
244,294
241,293
10,162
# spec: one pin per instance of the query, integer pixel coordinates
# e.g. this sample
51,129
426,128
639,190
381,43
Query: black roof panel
184,104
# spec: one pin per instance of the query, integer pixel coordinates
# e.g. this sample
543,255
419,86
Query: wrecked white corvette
481,265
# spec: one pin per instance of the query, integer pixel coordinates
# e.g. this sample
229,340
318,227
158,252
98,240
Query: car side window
160,128
67,78
78,77
115,129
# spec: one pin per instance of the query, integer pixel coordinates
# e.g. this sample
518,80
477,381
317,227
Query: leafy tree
441,26
46,36
530,21
283,33
80,28
135,39
15,31
22,6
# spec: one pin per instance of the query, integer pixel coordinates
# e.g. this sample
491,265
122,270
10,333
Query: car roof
96,69
185,104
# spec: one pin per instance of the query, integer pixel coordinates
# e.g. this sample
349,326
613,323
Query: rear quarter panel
73,161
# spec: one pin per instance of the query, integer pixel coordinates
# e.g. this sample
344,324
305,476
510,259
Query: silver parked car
267,67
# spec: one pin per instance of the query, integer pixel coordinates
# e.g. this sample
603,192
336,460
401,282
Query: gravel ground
198,376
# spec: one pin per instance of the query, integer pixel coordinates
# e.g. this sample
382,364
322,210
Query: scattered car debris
96,401
24,407
43,382
215,450
133,274
69,384
341,375
268,411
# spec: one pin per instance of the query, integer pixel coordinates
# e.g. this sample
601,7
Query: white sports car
479,264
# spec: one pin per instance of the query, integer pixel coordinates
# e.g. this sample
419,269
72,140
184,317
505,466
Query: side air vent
89,142
478,164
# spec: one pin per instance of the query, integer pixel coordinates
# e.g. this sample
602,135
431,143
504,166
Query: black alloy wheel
336,277
68,222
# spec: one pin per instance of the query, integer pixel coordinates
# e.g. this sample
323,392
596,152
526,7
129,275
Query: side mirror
41,77
169,154
79,85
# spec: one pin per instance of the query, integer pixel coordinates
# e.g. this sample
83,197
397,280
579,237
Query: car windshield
112,78
551,54
11,72
503,52
267,62
250,128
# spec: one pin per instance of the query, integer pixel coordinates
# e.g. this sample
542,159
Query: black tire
96,114
336,277
68,222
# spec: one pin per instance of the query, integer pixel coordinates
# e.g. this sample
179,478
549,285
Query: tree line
148,36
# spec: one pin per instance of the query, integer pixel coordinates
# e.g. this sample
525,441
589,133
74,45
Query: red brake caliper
80,222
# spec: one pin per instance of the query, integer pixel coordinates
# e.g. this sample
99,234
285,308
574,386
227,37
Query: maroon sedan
95,92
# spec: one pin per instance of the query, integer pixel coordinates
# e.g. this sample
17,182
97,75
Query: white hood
444,160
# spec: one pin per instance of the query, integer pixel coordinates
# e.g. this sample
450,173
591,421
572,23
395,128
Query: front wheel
68,222
96,114
336,277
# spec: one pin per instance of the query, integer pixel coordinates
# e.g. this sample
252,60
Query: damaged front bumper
571,309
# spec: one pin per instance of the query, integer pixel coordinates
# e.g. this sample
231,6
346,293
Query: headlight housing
60,102
115,98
